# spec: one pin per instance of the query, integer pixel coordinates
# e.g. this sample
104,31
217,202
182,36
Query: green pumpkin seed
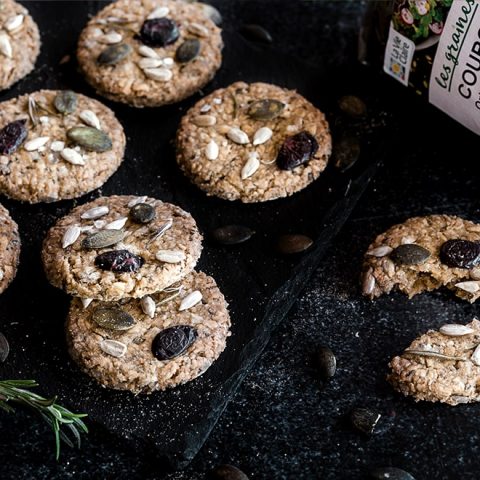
267,109
410,254
188,50
114,54
112,318
90,139
103,239
65,102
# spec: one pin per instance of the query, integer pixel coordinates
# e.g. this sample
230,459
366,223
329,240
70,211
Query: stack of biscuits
142,318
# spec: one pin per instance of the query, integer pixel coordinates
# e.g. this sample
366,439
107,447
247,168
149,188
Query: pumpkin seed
353,106
232,234
113,348
326,363
410,254
364,419
114,54
456,330
142,213
188,50
265,110
256,33
65,102
113,318
226,472
4,348
103,239
90,139
390,473
289,244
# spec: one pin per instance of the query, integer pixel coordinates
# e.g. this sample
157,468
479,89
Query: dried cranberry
173,341
460,253
159,32
297,150
12,136
119,261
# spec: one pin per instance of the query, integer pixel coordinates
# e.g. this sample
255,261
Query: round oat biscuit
137,369
382,273
9,249
40,173
84,271
149,75
215,157
19,43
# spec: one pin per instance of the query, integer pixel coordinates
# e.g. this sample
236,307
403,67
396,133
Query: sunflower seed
35,143
116,224
113,348
264,110
380,251
32,110
160,74
65,102
198,30
470,287
168,62
103,239
71,235
170,256
368,283
427,353
190,300
252,165
238,136
204,120
4,348
114,54
212,150
148,306
57,146
232,234
136,201
364,419
390,473
188,50
211,12
86,302
71,156
95,212
90,139
2,274
456,330
89,117
159,12
157,234
14,22
148,62
147,52
5,45
262,135
291,244
111,38
99,224
205,108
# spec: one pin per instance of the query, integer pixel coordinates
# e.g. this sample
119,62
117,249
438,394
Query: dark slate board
259,285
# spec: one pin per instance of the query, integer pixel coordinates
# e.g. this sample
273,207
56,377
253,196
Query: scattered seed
71,156
470,287
148,306
364,419
238,136
159,32
142,213
290,244
212,150
116,224
71,235
4,348
410,254
326,363
232,234
353,106
204,120
460,253
368,283
89,117
12,136
90,139
251,166
475,358
173,341
226,472
103,239
119,261
346,152
262,136
390,473
147,52
170,256
35,144
198,30
456,330
5,45
438,355
113,318
160,74
211,12
265,110
14,22
95,212
147,62
114,54
65,102
32,110
159,12
113,348
57,146
111,38
297,150
190,300
188,50
380,251
256,33
136,201
86,302
157,234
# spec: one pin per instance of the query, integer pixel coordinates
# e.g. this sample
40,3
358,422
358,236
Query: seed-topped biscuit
253,143
149,53
9,249
158,342
19,43
423,254
441,366
56,145
121,247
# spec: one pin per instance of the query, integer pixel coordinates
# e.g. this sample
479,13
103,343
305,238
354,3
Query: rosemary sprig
16,391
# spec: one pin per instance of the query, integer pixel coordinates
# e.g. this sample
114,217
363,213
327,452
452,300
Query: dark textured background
283,424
